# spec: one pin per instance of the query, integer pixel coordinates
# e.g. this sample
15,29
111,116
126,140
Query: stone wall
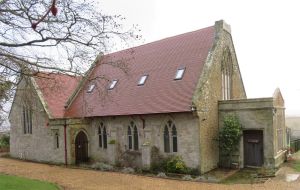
209,92
151,134
40,145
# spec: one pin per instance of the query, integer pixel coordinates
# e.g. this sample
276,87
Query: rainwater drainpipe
65,139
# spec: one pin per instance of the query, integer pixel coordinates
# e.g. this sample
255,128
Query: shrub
113,141
176,165
4,141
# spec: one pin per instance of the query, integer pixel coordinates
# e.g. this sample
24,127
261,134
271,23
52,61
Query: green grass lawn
295,161
8,182
296,166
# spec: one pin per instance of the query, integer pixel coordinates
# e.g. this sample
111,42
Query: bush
4,141
113,141
176,165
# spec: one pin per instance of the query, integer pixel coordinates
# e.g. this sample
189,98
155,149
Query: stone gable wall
209,92
40,145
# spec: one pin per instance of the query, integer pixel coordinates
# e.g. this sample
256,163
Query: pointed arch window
226,75
170,143
102,136
27,120
133,136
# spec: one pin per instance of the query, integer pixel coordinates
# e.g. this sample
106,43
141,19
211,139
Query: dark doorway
81,147
253,147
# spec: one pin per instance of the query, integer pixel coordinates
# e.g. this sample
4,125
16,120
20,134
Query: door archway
81,147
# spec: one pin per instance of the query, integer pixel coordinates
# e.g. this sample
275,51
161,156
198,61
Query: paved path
80,179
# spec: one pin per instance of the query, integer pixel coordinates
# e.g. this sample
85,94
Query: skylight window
112,84
179,74
142,80
91,88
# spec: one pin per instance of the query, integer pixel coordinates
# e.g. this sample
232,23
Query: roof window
91,88
112,84
142,80
179,74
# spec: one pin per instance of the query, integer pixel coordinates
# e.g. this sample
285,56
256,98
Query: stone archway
81,148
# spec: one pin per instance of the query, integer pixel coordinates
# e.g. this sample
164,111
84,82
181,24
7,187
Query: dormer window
112,84
179,74
142,80
91,88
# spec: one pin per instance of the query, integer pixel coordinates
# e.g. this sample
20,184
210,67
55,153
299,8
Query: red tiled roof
161,93
56,89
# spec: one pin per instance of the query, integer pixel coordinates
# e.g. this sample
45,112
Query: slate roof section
55,90
161,93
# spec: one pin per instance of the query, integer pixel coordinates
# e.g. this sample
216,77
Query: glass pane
179,73
174,131
100,140
143,80
136,138
104,138
166,140
174,143
113,84
174,136
57,141
91,88
130,142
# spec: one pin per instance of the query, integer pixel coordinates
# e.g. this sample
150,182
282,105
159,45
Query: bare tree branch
67,40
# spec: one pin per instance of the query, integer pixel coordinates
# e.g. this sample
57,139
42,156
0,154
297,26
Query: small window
142,80
91,88
27,120
112,84
57,140
179,73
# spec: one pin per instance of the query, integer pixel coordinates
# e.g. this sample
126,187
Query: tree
54,35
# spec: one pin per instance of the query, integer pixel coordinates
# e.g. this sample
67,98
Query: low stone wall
280,158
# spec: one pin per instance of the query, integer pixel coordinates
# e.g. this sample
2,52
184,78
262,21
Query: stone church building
171,94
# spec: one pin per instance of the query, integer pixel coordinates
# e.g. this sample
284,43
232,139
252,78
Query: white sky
266,35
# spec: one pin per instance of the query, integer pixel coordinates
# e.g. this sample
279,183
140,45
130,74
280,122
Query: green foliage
230,135
172,164
8,182
176,165
4,141
113,141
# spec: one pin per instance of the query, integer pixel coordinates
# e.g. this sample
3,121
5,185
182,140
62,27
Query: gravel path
80,179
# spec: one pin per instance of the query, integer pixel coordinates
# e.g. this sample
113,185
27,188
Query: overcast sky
266,36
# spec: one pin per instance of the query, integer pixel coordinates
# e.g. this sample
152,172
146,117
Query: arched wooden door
81,147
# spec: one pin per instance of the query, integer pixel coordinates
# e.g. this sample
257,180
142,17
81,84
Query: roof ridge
157,41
